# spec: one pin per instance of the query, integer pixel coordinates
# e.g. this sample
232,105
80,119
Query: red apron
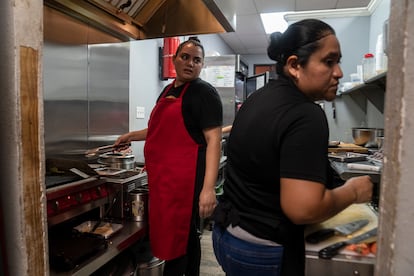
170,160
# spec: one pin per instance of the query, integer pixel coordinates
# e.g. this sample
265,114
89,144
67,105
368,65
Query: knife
344,229
332,250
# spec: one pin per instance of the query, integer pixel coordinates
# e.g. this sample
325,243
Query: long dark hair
193,40
300,39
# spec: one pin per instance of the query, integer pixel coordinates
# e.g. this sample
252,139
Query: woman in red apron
182,155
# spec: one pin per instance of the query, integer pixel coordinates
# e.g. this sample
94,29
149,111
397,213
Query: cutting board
344,147
353,212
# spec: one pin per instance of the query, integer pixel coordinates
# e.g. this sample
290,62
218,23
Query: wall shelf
373,90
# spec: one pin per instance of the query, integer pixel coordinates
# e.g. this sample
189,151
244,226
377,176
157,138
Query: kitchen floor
209,265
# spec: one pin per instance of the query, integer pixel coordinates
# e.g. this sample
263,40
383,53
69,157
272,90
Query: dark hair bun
274,50
194,38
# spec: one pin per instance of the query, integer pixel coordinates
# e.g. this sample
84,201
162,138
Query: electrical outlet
140,112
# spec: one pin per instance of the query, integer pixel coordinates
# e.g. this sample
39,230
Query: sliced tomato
360,248
373,248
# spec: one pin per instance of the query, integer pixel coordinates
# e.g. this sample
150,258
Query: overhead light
274,22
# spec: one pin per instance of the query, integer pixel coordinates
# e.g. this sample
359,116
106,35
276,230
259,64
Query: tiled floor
209,265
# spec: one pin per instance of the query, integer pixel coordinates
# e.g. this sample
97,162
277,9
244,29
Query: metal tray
106,229
347,156
109,171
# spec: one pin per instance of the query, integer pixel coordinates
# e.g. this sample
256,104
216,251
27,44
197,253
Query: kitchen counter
346,262
127,236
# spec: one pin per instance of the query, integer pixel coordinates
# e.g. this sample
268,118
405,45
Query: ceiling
250,37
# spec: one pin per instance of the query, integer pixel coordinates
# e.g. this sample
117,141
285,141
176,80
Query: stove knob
55,206
98,191
78,197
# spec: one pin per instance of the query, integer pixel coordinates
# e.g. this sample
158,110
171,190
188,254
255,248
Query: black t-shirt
202,107
278,132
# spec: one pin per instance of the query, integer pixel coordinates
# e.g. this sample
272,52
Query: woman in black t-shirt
182,155
276,174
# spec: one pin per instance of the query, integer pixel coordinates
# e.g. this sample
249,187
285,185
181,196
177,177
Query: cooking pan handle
103,149
107,212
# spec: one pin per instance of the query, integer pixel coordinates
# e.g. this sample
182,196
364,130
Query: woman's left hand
207,202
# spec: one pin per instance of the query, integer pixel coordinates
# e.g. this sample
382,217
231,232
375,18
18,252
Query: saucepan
117,160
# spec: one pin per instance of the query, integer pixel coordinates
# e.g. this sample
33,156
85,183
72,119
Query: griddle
68,251
56,180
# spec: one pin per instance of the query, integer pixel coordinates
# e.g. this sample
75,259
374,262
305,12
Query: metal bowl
117,160
363,136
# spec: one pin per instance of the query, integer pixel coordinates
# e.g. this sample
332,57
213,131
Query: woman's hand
123,139
362,188
138,135
207,202
306,202
207,199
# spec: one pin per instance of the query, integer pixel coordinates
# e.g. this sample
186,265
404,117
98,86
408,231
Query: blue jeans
240,258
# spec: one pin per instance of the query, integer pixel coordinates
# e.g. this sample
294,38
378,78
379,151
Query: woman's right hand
123,139
127,138
362,187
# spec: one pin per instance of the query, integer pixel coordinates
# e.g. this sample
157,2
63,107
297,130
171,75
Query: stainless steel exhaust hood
144,19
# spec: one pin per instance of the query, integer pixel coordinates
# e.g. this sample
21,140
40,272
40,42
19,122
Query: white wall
381,13
144,84
212,43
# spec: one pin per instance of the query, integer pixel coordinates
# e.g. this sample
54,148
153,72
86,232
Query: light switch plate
140,112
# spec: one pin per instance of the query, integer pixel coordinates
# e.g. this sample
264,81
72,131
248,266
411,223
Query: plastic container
355,78
368,66
380,57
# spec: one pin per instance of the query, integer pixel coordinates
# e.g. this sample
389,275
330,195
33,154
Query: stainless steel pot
117,160
154,267
138,204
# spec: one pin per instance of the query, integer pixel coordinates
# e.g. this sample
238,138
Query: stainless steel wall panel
108,91
65,97
86,89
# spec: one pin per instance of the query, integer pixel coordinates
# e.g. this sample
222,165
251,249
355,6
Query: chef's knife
332,250
344,229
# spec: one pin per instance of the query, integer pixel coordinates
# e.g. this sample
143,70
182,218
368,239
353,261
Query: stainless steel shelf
373,90
127,236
